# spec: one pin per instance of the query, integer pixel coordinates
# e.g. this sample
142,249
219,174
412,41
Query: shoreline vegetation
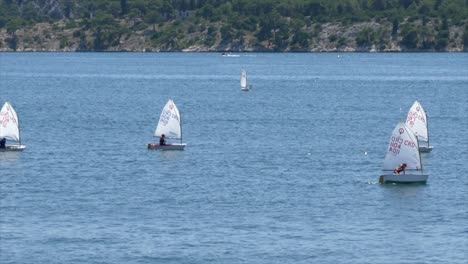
234,26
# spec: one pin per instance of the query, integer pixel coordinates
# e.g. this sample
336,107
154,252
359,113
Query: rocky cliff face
65,35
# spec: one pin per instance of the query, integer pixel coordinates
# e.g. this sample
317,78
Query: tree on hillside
410,39
465,39
68,6
365,37
395,28
152,18
123,7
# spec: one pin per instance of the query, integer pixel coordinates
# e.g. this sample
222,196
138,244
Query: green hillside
235,25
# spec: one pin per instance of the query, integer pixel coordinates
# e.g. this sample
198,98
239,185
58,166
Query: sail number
166,116
396,143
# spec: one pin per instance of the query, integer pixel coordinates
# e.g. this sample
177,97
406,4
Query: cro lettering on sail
397,142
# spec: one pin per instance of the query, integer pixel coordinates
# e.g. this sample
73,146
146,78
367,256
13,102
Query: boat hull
13,148
167,146
425,149
231,55
247,88
403,178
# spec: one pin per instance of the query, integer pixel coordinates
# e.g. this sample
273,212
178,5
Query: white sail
417,121
169,122
243,81
402,148
9,124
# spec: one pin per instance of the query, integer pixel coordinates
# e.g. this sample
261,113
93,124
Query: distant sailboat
417,121
403,148
170,125
243,81
9,128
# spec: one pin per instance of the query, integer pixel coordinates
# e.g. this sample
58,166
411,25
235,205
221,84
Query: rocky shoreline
60,37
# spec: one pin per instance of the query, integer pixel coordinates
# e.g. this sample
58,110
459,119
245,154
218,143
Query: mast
420,157
427,127
419,152
19,129
18,122
246,83
180,124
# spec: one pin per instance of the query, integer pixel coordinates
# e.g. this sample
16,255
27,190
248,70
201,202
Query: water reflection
9,157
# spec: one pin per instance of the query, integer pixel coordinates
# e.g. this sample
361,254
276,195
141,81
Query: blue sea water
279,174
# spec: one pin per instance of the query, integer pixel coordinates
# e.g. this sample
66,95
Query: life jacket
400,168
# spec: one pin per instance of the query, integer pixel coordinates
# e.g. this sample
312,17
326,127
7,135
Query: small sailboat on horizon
243,81
170,126
417,120
403,148
9,129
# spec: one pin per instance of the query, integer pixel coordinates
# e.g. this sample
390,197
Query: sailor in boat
2,143
162,140
400,168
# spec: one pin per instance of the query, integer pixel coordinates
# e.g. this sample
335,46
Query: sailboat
169,125
417,121
9,128
243,81
403,148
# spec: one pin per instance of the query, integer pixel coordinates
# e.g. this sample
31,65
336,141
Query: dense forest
234,25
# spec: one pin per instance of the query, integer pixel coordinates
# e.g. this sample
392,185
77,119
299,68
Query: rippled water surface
275,175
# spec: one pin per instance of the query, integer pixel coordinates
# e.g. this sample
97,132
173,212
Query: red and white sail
417,121
9,124
402,148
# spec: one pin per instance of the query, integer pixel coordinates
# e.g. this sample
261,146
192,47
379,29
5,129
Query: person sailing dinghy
403,149
170,126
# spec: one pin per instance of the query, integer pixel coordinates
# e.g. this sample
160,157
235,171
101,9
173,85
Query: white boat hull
13,148
247,88
403,178
425,149
167,146
231,55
